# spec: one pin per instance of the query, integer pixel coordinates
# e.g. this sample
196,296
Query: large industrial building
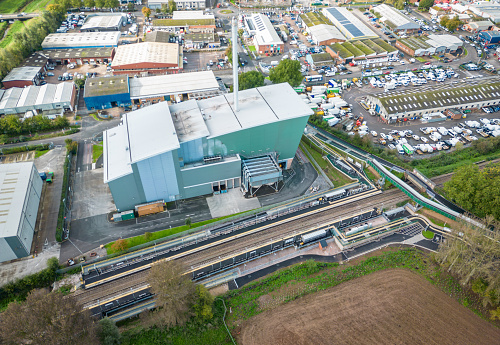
104,22
23,76
320,28
39,99
195,148
395,20
81,40
348,24
414,103
265,38
122,91
79,56
180,4
362,51
191,22
20,187
147,58
429,45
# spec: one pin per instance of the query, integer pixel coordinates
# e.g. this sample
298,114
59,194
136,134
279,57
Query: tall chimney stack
235,62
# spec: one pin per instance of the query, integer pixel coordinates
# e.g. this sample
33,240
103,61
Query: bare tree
47,318
174,293
473,252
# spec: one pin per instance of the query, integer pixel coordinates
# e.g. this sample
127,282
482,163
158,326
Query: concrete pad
230,203
10,271
91,195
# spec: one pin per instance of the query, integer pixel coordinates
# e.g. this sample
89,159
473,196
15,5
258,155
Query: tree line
11,125
28,40
476,190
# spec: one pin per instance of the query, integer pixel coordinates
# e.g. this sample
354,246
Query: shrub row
17,149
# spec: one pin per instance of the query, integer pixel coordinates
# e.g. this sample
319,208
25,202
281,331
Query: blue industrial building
490,37
194,148
98,92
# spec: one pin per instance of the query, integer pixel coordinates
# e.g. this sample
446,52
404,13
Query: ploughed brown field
386,307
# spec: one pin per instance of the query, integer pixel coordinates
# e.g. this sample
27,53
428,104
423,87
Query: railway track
211,254
285,230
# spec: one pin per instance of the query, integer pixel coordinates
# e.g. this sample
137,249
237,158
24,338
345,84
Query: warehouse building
36,59
414,103
475,27
191,22
174,87
265,37
81,40
102,22
21,188
429,45
490,37
180,4
107,92
196,148
320,28
348,24
486,9
23,76
395,20
361,51
80,56
122,91
39,99
147,58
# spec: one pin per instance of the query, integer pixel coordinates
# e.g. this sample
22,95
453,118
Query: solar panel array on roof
346,23
343,19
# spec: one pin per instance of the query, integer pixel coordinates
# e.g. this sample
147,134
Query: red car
387,72
414,69
427,63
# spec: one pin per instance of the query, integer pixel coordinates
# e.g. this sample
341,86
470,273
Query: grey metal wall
198,180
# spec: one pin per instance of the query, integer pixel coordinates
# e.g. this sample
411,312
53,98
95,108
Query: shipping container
149,208
126,215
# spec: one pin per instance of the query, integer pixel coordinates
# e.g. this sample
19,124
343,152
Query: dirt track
386,307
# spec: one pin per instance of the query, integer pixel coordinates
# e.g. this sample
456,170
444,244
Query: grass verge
338,179
11,6
141,239
96,152
40,153
421,59
252,48
37,6
428,234
432,219
94,115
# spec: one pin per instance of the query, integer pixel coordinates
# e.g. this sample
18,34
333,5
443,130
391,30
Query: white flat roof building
148,54
180,4
347,23
396,20
172,84
263,31
20,190
324,32
103,22
81,40
486,9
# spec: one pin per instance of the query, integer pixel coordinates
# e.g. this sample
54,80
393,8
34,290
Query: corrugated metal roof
14,182
172,84
152,52
27,73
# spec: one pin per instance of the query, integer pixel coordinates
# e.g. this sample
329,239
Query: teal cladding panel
158,176
198,180
126,193
282,137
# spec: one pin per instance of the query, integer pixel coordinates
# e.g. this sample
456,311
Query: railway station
204,147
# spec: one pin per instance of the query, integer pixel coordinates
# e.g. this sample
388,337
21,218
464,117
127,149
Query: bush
119,245
18,290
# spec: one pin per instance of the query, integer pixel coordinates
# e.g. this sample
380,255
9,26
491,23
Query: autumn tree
119,245
89,3
172,6
174,292
111,3
472,252
47,318
287,71
146,11
203,304
99,3
424,5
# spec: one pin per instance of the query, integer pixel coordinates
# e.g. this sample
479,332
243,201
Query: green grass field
96,152
13,28
37,5
10,6
40,153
